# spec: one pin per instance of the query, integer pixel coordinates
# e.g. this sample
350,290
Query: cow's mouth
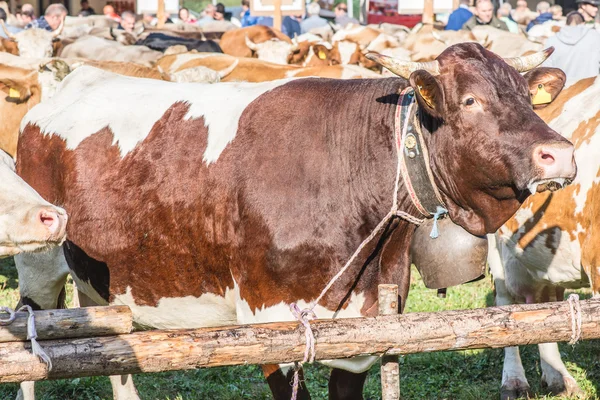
553,184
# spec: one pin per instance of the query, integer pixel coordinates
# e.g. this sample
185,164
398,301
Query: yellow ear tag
541,97
14,93
321,54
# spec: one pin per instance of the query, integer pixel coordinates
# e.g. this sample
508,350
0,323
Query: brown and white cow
253,70
258,41
95,48
553,241
34,42
241,198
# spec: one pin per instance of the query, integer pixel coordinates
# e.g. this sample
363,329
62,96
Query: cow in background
553,242
34,42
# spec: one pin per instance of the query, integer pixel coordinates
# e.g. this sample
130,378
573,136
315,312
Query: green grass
468,375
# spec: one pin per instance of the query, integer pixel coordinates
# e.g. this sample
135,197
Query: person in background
27,17
576,49
53,17
459,16
109,12
9,28
557,13
290,26
127,21
185,16
522,14
484,15
85,6
543,9
314,20
589,9
220,12
246,18
341,16
208,15
504,16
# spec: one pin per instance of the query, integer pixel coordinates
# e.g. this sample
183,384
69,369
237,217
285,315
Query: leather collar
413,158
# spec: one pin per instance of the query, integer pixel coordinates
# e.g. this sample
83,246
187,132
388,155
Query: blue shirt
539,20
458,17
248,20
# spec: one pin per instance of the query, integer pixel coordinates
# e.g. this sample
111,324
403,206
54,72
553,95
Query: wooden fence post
390,369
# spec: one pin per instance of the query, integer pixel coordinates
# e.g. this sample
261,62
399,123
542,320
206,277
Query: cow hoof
565,387
515,389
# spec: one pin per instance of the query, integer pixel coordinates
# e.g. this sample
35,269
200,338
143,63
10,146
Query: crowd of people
577,47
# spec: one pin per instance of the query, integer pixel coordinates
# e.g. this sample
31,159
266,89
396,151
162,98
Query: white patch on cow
346,49
355,71
281,312
86,288
131,106
344,33
188,312
578,110
182,59
34,43
309,56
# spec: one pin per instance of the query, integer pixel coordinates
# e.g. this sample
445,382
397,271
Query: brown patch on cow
127,69
555,108
586,130
57,46
233,42
590,237
9,46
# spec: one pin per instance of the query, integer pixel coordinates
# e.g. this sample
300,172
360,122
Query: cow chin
12,249
552,185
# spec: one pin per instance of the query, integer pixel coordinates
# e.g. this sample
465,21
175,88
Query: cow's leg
514,381
554,373
280,382
122,385
42,278
345,385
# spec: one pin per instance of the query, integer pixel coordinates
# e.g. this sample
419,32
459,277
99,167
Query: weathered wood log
71,323
276,343
390,369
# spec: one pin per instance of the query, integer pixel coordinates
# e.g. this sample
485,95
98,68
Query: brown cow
253,70
258,41
242,198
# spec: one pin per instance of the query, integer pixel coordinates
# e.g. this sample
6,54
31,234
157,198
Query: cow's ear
544,85
17,87
430,94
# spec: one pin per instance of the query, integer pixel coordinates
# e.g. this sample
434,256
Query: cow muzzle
53,221
557,165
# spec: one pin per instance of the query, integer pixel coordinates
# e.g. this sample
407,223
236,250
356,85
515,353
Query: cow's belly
548,261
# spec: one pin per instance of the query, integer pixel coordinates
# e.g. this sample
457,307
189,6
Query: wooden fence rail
153,351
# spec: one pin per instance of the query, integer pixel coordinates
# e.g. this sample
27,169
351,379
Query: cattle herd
195,178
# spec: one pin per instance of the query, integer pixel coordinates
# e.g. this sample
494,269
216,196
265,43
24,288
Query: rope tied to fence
36,349
575,311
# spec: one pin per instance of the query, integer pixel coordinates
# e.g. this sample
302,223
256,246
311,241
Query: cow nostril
545,157
49,219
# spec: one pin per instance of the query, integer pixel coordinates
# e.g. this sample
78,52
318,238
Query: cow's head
273,50
27,222
33,43
488,149
20,90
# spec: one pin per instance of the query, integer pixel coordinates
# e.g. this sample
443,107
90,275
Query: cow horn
112,34
226,71
6,32
58,30
251,45
526,63
404,68
438,37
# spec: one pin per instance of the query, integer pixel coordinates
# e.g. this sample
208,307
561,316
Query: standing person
208,15
290,26
246,18
220,12
341,16
27,17
109,11
127,21
522,14
544,14
589,9
52,19
576,49
504,16
314,20
85,6
459,16
484,15
185,16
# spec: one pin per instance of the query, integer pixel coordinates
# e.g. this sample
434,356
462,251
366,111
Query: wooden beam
428,16
277,16
160,14
390,369
277,343
71,323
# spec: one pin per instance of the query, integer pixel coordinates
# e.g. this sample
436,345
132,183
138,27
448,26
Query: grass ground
468,375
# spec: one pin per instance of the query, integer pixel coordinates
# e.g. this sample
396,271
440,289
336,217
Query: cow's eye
469,102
